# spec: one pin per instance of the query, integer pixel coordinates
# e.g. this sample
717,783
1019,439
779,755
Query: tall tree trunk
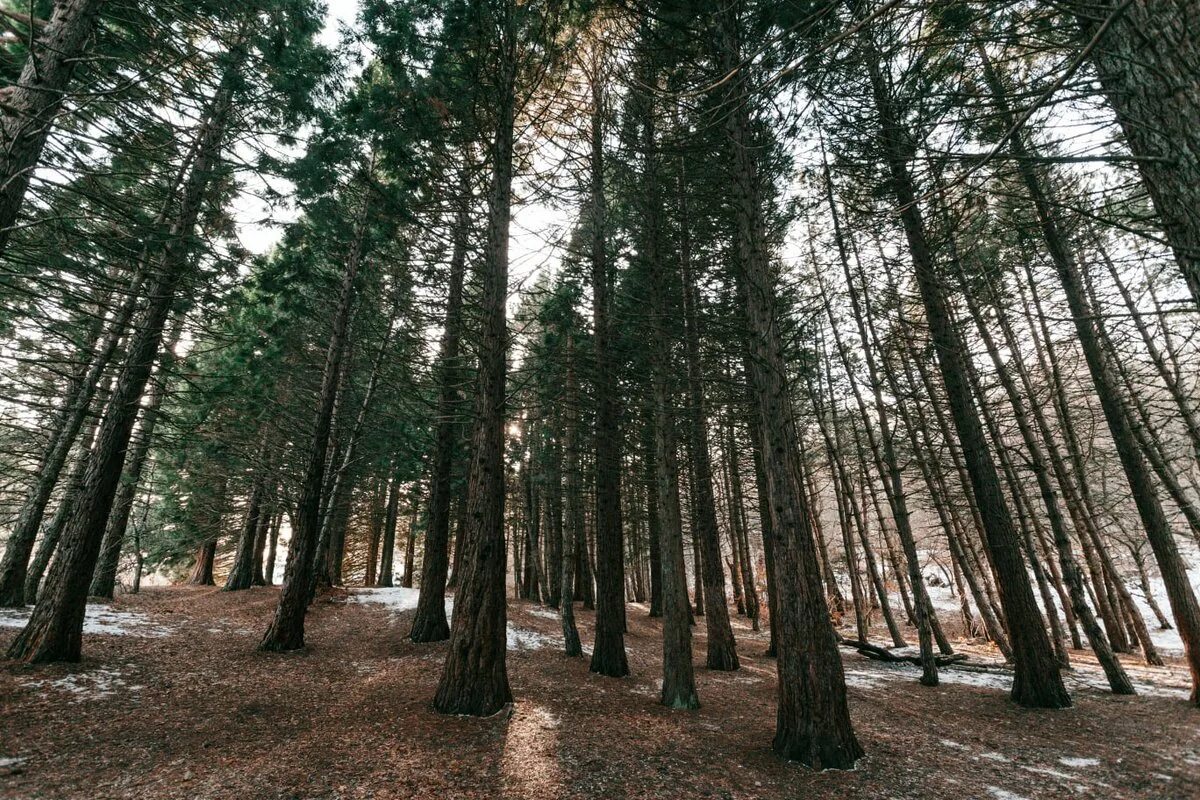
574,506
34,101
429,623
286,631
55,629
475,678
679,684
608,652
721,651
813,719
1036,682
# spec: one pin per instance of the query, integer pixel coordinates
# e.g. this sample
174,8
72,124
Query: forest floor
173,701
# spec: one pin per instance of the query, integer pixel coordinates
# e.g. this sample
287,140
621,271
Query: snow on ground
1077,762
399,599
1004,794
545,613
97,619
521,639
92,685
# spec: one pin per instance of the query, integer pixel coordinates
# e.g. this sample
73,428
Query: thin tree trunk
1036,681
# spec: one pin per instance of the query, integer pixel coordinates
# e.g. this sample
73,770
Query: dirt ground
196,712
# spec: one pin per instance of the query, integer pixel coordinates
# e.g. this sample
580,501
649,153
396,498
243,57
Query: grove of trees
858,305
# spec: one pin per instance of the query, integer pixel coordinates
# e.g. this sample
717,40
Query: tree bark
813,719
32,104
1147,56
475,679
55,628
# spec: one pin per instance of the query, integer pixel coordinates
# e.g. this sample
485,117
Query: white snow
8,762
399,599
97,619
1076,761
1004,794
545,613
93,685
521,639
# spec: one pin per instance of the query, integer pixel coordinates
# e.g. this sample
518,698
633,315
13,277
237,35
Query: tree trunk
574,506
388,546
55,628
286,631
608,652
1036,680
1147,56
475,679
429,624
34,101
813,719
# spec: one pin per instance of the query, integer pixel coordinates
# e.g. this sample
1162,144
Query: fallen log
878,653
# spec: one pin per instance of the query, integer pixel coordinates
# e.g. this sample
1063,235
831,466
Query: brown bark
474,679
32,104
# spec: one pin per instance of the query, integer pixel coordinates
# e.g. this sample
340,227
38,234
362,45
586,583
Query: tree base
722,659
429,628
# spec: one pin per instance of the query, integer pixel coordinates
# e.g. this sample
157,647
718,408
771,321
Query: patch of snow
94,685
397,598
953,745
98,619
521,639
545,613
996,757
8,762
1004,794
1078,762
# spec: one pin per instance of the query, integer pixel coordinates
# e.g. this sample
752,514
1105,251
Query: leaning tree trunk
1036,680
1158,528
33,102
475,677
55,629
105,580
1147,56
813,719
286,631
